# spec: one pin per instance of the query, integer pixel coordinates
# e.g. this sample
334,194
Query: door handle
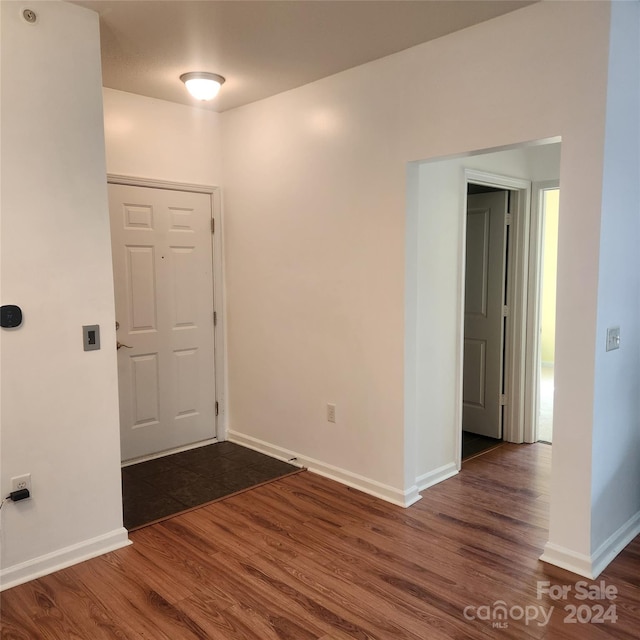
119,345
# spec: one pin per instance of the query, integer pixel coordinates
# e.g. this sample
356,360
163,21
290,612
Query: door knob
119,345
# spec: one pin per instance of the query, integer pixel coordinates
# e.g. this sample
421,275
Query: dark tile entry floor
473,444
163,487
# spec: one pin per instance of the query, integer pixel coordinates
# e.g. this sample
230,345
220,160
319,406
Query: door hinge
505,311
503,400
508,218
213,225
217,410
215,318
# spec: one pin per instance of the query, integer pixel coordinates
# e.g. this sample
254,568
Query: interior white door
163,276
483,313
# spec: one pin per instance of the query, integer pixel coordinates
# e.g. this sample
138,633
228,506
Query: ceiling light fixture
202,85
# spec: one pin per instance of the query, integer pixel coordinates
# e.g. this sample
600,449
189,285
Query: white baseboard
592,566
372,487
614,544
63,558
444,472
567,559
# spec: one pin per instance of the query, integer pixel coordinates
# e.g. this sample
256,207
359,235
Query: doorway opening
167,282
548,201
435,251
494,311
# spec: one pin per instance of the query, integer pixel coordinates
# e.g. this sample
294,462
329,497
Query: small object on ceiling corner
30,16
10,316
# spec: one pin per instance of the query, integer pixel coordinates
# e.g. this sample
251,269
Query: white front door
483,313
163,275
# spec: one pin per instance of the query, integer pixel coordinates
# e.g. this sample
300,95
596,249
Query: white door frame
516,365
532,402
219,333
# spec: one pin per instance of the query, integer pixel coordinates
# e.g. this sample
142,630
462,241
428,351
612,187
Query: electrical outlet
21,482
331,412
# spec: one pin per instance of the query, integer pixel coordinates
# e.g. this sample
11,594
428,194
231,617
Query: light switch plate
613,338
91,337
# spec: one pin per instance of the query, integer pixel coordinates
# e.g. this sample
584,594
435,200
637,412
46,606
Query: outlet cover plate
613,338
21,482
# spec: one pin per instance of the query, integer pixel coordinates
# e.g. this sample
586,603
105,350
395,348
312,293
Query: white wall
316,197
616,425
315,190
149,138
59,404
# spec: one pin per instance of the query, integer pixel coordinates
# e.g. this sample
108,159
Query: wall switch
613,338
91,337
21,482
331,412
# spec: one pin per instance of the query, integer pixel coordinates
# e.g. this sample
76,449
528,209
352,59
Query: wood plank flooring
305,558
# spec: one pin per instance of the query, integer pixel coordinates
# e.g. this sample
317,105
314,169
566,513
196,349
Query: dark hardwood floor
304,558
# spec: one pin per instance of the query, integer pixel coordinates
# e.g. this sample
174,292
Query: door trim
132,181
516,364
219,297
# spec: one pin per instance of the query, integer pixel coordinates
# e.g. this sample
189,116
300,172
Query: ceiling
264,47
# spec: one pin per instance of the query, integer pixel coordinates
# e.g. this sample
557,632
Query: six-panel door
163,276
483,313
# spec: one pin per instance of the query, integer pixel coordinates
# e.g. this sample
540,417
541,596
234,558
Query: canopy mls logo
499,614
597,607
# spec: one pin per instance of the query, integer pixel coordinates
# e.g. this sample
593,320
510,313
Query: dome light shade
202,85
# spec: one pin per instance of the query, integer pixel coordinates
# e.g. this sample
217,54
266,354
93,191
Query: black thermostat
10,316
